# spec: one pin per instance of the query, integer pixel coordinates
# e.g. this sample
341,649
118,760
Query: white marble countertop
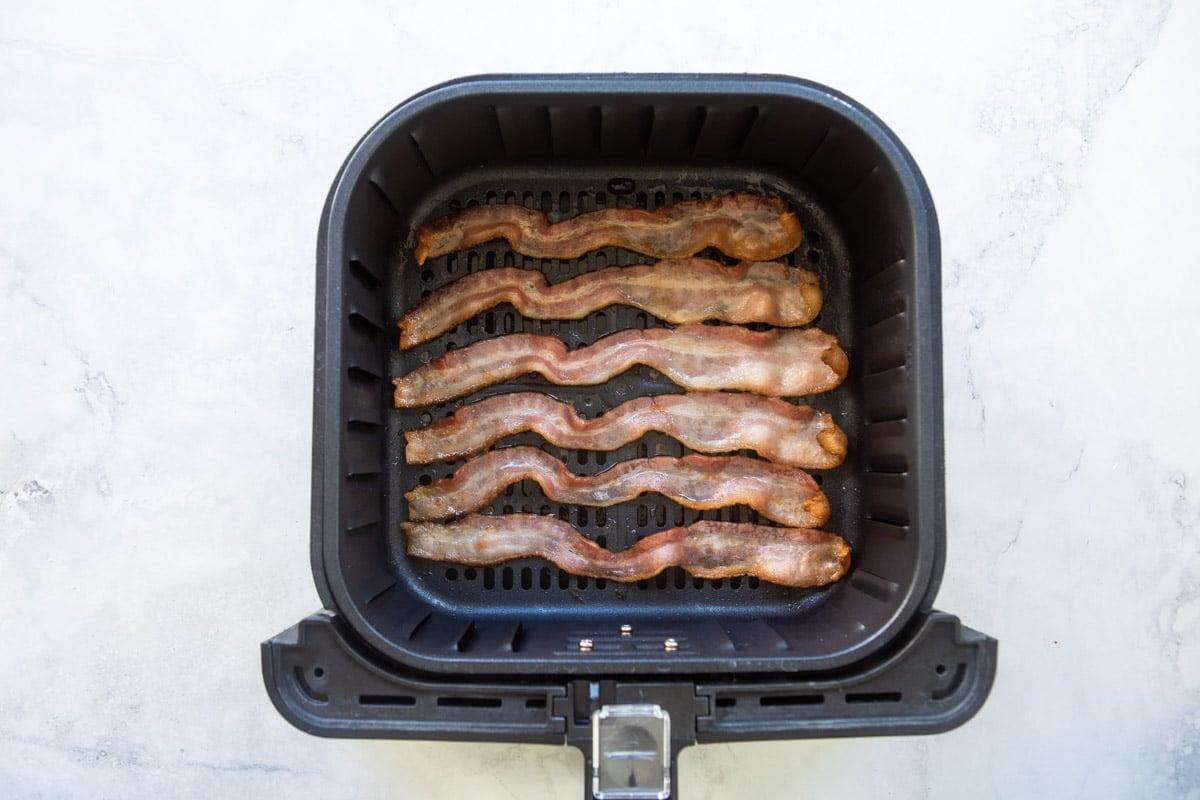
163,171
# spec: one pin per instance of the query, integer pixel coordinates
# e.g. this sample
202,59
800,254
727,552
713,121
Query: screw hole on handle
318,673
940,669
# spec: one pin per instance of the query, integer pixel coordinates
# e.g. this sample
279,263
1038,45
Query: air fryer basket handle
324,681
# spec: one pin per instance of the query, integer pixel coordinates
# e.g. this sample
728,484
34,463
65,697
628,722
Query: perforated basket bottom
534,587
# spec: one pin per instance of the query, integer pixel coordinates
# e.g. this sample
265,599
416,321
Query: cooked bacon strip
785,363
691,290
711,422
742,226
787,556
783,494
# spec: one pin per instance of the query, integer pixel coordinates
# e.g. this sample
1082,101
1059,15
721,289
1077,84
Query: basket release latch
631,752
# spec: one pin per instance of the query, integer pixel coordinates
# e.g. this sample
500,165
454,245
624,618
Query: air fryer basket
570,144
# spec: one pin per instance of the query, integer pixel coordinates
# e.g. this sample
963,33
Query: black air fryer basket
524,651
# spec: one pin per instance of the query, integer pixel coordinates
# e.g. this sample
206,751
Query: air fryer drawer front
933,678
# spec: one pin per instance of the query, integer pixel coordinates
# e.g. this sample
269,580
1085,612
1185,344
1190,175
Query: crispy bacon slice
711,422
788,556
691,290
781,363
784,494
743,226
